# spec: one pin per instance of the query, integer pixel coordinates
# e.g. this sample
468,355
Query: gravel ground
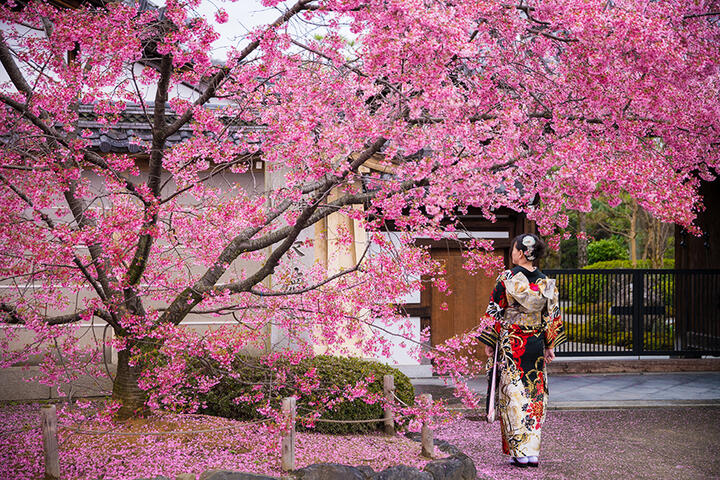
651,443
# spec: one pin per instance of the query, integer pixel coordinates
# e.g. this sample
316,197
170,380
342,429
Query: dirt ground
675,443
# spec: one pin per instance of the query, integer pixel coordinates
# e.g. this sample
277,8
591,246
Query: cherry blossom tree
535,106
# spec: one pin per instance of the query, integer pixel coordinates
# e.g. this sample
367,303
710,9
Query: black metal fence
639,312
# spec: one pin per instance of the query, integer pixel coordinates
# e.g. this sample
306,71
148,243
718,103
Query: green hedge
333,372
609,330
611,264
588,289
587,308
606,249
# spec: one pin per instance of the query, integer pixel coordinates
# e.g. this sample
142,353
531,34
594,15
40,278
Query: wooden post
428,445
389,391
48,416
288,441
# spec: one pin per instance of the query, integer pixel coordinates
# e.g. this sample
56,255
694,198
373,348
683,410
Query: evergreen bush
333,373
606,249
610,330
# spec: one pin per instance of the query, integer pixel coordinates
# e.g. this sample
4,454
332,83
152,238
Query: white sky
244,16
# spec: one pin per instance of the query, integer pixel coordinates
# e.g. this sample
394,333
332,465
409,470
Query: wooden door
462,310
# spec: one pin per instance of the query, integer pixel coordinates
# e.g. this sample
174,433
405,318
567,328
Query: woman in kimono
527,327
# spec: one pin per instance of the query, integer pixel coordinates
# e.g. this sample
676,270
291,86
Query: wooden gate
449,315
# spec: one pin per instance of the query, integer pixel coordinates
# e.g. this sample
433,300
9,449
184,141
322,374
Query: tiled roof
134,129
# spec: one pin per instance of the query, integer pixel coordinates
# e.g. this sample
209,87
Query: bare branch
299,291
696,15
15,317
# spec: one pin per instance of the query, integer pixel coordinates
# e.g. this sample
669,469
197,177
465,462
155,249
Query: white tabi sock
532,459
522,459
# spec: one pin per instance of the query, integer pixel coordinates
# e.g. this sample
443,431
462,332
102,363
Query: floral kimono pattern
524,307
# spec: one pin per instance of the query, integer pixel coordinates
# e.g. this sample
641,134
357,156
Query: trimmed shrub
613,264
589,288
587,308
334,373
586,288
609,330
606,249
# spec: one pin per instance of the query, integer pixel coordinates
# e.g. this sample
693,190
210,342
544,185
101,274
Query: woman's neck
527,266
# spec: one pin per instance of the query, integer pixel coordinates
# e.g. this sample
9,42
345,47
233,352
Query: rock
444,446
457,467
230,475
414,436
402,472
186,476
469,470
157,477
369,472
331,471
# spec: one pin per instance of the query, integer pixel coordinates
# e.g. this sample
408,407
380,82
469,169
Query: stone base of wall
15,386
579,366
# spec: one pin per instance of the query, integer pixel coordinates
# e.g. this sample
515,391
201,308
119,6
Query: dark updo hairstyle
532,247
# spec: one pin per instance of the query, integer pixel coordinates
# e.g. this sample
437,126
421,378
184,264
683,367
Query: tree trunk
126,389
632,237
582,242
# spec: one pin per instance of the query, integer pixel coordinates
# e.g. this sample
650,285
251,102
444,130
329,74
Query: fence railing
640,311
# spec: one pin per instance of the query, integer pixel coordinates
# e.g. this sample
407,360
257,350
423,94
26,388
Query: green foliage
569,253
606,329
587,308
333,373
607,249
584,288
616,264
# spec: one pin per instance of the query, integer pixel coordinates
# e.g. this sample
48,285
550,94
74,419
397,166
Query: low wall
14,386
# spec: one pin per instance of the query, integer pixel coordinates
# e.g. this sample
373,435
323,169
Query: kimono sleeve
552,322
494,313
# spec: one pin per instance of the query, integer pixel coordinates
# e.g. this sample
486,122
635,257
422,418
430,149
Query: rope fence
19,431
181,432
50,426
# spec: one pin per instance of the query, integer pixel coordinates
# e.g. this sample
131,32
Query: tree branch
230,286
99,289
13,71
16,317
219,77
696,15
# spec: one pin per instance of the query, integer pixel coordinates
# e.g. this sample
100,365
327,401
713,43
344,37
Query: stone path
611,390
667,443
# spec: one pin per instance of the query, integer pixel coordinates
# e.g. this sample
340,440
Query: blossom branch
15,317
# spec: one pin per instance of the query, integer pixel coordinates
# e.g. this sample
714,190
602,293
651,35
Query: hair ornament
529,243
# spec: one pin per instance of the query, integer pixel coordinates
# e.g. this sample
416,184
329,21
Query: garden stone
402,472
186,476
231,475
415,436
444,446
157,477
457,467
368,471
330,471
